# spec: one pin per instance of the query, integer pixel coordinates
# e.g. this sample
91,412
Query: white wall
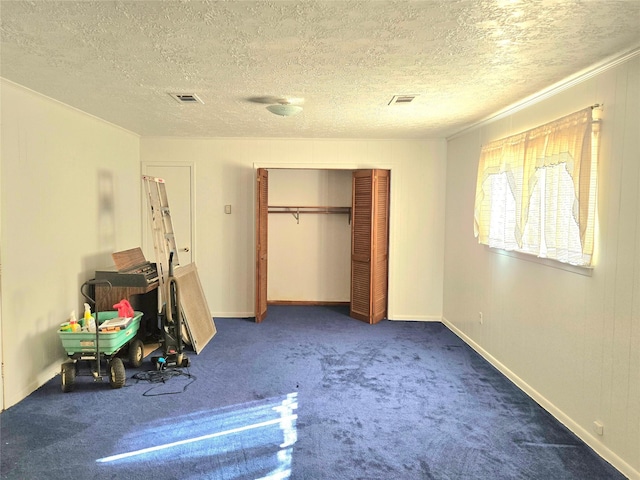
571,341
309,259
69,182
225,174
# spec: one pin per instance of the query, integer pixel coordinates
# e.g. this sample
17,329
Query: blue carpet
308,394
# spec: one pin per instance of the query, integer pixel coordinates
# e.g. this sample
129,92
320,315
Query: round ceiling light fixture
284,109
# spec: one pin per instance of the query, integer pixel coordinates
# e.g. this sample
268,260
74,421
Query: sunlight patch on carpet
266,428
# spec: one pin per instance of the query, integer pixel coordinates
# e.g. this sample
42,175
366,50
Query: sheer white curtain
536,191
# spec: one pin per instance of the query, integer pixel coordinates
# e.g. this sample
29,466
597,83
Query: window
536,191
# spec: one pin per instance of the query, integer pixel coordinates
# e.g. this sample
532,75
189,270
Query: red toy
124,308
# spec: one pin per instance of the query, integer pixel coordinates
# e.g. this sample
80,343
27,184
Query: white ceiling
464,59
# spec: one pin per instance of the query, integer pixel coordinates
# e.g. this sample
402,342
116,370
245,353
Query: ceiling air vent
402,99
186,98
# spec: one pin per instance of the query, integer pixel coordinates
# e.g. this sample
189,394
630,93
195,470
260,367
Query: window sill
580,270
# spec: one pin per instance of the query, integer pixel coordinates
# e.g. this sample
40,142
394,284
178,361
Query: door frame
145,229
343,166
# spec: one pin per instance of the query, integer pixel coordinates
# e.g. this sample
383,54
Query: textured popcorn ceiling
465,59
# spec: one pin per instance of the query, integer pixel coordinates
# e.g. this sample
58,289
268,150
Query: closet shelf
296,211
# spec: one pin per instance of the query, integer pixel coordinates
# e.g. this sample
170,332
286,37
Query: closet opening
322,239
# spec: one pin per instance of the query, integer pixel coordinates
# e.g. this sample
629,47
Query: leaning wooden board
195,310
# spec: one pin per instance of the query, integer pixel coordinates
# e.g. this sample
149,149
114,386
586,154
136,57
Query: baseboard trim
43,377
416,318
232,315
400,318
309,303
586,436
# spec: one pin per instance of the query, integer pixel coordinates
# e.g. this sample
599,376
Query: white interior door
180,196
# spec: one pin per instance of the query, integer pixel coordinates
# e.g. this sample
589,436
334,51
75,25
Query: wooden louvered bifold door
380,253
262,203
369,245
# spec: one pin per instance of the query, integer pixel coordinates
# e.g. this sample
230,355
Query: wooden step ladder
164,240
198,323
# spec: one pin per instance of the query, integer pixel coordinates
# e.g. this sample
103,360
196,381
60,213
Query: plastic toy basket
110,342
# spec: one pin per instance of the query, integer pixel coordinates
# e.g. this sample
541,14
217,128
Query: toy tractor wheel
136,352
68,376
117,374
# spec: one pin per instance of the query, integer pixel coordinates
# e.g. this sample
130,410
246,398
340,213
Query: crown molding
554,89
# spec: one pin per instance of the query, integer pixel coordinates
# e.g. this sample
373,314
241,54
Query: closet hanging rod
297,210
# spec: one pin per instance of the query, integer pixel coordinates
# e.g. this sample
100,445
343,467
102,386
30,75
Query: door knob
185,249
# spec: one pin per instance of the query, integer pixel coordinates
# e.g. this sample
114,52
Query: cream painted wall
69,182
309,259
571,341
225,174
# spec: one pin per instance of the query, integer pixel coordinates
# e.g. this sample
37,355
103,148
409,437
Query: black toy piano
133,278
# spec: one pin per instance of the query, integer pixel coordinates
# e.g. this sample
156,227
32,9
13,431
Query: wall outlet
480,317
598,427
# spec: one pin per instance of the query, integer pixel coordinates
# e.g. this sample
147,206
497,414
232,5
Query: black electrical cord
162,376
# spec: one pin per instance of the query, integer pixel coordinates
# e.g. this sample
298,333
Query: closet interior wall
309,256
